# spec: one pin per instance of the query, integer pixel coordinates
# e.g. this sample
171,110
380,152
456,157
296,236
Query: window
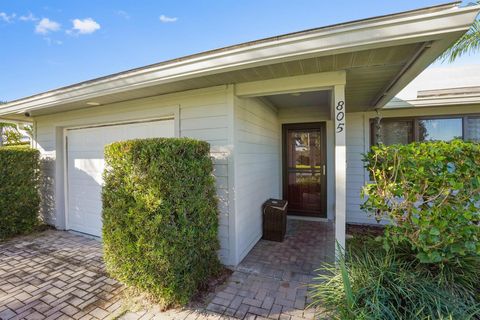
473,128
395,132
440,129
406,130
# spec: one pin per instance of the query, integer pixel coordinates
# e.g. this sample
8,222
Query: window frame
415,120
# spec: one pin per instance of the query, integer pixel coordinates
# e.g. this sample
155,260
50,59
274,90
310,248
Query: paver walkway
272,281
60,275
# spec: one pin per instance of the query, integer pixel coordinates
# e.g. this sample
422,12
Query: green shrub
160,220
430,191
373,283
19,190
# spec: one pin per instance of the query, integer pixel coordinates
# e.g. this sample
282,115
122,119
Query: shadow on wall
47,190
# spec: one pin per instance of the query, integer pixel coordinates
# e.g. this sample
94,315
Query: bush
19,190
160,220
430,191
373,283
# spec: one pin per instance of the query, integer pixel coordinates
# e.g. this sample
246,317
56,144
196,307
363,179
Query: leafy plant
19,190
160,219
9,134
373,283
468,43
430,191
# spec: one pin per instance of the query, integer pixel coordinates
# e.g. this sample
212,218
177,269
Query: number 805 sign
340,116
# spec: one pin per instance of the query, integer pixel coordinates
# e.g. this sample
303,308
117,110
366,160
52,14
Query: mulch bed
362,230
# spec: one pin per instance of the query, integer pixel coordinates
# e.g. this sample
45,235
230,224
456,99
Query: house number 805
340,115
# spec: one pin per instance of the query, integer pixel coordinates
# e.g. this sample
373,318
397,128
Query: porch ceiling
314,99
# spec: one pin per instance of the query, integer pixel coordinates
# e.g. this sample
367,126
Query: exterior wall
257,166
358,142
202,114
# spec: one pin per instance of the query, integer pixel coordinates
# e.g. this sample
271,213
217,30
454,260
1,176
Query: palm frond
468,43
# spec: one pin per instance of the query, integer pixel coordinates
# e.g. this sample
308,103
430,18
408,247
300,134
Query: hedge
19,190
430,191
160,219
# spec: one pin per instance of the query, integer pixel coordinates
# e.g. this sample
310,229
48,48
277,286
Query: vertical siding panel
257,161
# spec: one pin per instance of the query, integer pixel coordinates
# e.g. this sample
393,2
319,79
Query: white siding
257,167
358,142
356,174
202,114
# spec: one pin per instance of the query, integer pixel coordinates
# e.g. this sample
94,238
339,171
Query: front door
304,169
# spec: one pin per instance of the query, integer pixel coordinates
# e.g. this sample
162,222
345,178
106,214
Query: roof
440,25
451,92
440,97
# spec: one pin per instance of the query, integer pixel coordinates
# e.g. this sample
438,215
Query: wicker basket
274,219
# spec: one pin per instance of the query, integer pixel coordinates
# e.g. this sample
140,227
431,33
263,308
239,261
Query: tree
468,43
9,133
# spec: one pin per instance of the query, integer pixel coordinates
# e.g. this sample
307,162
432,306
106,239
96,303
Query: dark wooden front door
304,169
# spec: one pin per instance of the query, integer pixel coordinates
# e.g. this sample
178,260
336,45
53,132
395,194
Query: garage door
85,164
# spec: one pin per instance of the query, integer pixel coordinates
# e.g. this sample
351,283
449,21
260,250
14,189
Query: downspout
33,139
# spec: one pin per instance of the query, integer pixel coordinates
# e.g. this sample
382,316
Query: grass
371,283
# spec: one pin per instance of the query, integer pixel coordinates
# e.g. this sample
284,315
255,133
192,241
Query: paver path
60,275
272,281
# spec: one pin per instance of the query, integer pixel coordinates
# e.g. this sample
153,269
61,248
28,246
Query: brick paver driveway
55,275
60,275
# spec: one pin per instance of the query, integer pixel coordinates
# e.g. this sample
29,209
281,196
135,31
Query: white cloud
85,26
7,18
52,41
46,25
165,19
123,14
29,17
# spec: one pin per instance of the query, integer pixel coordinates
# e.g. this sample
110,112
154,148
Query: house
441,104
287,116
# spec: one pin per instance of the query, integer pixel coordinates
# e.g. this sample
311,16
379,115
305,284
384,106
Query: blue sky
49,44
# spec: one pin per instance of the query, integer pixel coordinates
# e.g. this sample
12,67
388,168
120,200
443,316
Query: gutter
431,9
405,68
409,27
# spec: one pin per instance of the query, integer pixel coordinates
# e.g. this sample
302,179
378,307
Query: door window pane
396,132
304,167
440,129
473,129
304,191
304,149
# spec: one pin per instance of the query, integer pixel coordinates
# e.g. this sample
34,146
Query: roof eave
443,25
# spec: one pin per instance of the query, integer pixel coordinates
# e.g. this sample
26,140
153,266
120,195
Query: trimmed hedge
430,191
19,190
160,219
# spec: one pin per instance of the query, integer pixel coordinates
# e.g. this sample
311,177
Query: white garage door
85,164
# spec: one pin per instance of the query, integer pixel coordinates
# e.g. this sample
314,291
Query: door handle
323,169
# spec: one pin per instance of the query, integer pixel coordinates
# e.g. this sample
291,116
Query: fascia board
345,38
